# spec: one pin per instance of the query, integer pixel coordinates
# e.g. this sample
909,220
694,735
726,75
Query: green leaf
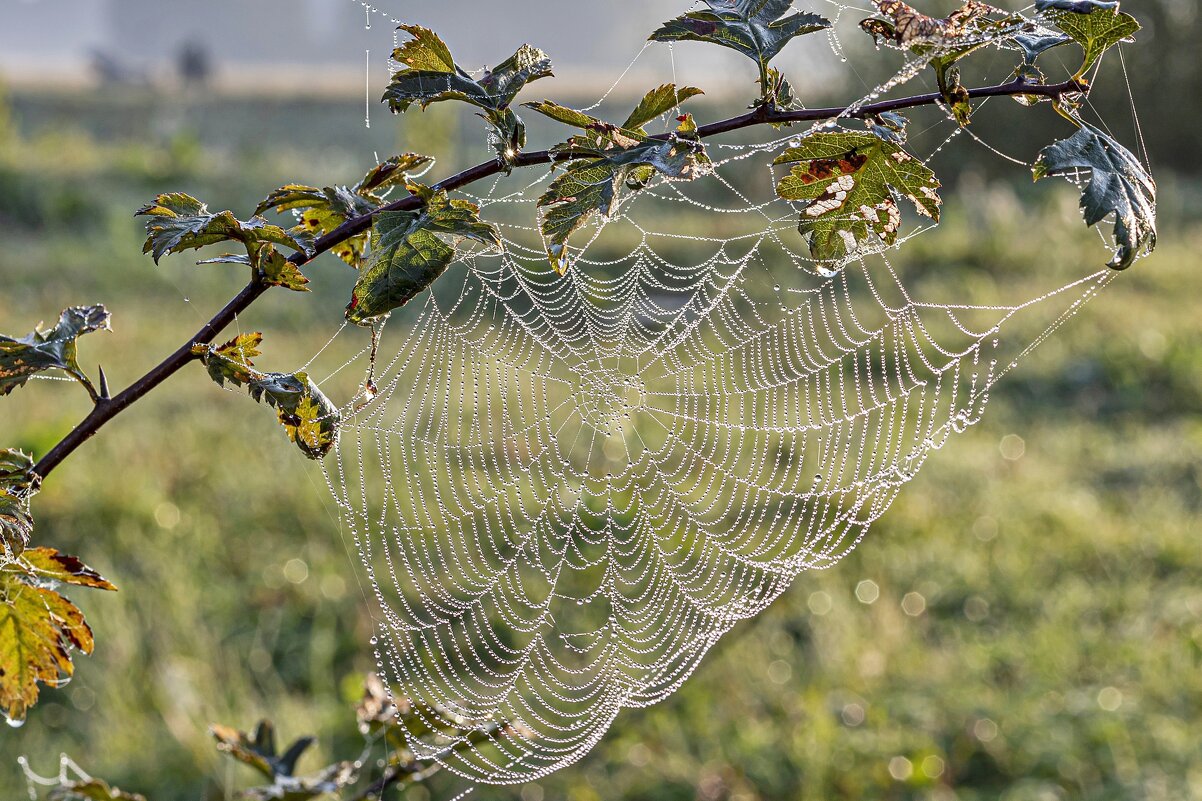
50,350
408,252
232,360
181,222
1033,45
278,271
39,628
1096,27
323,210
1077,6
758,29
1118,185
273,269
657,102
91,789
854,181
308,416
610,159
392,172
430,75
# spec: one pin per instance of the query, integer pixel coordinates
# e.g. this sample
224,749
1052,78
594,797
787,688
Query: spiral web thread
567,489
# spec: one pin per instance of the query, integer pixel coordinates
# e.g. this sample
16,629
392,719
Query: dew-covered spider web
566,490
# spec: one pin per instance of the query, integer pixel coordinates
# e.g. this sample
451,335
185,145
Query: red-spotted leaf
853,182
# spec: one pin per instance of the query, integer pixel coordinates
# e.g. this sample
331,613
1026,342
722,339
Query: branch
107,409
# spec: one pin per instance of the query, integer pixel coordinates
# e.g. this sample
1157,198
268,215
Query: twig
108,408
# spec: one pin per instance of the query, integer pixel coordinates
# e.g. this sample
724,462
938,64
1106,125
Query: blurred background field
1025,623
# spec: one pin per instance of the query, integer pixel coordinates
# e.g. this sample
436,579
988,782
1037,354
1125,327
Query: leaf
323,210
50,350
1118,185
49,565
429,75
657,102
232,360
1033,45
181,222
854,181
1077,6
90,789
308,416
611,158
17,484
39,627
278,271
758,29
408,252
393,171
1096,27
890,126
907,26
16,524
259,752
274,268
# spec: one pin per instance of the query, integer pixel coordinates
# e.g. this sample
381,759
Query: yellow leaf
38,630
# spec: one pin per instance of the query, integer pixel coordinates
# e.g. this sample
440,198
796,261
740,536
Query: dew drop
15,723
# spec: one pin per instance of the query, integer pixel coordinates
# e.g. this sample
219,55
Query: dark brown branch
107,409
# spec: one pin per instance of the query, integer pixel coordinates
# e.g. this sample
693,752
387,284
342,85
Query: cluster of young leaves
308,416
1118,184
180,222
758,29
39,627
321,211
55,349
429,74
384,721
259,752
853,182
607,159
408,251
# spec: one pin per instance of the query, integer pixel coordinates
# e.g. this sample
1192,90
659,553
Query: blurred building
326,41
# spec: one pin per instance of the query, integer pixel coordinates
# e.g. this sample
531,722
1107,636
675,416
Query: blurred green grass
1056,636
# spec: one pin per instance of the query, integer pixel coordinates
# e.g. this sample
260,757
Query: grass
1036,631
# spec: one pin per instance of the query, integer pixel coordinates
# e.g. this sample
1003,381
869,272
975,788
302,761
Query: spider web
566,490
